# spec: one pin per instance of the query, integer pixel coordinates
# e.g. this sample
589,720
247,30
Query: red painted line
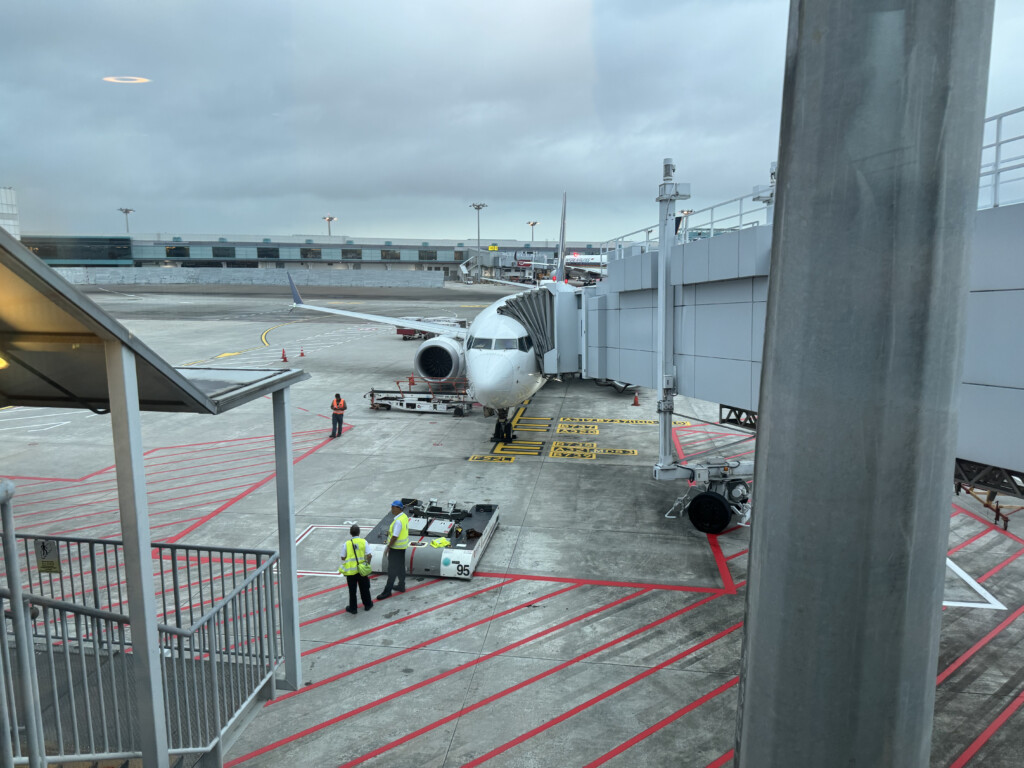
978,646
998,568
662,723
987,734
60,479
388,625
723,566
240,440
971,540
727,757
994,527
409,689
597,582
416,647
331,615
242,495
737,455
529,681
741,552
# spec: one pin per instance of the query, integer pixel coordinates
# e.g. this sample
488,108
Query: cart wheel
458,412
385,406
709,512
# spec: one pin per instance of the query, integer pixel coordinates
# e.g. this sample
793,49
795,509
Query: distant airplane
495,354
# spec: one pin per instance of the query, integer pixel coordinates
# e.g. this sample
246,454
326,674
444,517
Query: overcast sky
394,115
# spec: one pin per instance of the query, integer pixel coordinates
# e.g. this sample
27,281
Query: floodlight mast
126,211
478,206
329,219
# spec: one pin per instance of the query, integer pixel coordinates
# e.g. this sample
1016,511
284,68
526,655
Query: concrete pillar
877,189
123,388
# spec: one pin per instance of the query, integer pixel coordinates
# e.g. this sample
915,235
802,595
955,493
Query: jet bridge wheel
709,512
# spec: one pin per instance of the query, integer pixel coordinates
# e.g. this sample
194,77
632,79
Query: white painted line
990,602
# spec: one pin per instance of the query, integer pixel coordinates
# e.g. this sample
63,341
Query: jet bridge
551,316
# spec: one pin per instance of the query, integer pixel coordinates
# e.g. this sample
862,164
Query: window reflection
480,343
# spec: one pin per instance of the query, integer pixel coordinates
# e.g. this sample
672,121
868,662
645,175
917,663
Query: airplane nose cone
493,379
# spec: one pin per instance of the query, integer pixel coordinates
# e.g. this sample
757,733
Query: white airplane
495,353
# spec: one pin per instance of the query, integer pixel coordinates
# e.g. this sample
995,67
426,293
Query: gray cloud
262,117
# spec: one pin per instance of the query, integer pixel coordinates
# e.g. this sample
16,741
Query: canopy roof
52,352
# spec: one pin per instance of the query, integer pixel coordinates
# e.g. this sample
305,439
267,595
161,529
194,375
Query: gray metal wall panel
689,293
612,327
723,381
995,320
636,329
636,367
597,335
755,251
997,260
990,425
755,386
759,311
616,278
760,288
649,270
633,273
595,363
695,262
723,330
675,265
611,364
685,371
724,256
725,292
685,330
636,299
613,300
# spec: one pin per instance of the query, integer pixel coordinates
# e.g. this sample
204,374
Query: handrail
155,545
64,605
197,624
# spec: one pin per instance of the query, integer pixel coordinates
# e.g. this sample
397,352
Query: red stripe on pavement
994,527
661,724
389,624
971,540
601,697
409,689
722,760
342,610
597,582
987,734
998,568
978,646
741,552
529,681
723,566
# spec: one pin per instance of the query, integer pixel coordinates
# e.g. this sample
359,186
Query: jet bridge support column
668,193
878,179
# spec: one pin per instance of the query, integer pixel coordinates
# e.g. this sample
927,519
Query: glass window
268,253
428,255
525,343
177,251
309,253
223,251
460,255
481,344
351,253
506,344
389,255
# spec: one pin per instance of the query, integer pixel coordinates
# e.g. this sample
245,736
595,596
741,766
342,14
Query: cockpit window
505,344
525,343
478,343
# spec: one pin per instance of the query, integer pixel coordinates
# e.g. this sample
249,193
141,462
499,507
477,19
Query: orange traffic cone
302,352
636,399
284,357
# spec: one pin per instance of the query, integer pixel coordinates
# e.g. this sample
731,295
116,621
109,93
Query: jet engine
441,359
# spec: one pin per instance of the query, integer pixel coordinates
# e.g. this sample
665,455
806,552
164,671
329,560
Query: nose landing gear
503,428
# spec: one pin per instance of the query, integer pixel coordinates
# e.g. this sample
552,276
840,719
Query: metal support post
878,177
23,643
668,193
123,388
287,577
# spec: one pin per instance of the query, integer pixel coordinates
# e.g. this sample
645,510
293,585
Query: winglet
560,271
296,299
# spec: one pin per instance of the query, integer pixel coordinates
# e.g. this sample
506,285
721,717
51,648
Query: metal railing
218,633
1002,160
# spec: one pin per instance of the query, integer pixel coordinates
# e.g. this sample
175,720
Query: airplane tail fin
296,299
560,272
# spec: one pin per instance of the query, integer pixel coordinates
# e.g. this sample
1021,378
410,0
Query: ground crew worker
337,416
398,542
357,570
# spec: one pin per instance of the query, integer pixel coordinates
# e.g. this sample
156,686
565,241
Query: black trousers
364,590
337,423
396,570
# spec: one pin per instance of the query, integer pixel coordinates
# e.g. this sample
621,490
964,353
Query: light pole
531,225
479,265
126,211
329,219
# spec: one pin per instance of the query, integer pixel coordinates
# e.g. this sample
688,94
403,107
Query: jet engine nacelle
441,359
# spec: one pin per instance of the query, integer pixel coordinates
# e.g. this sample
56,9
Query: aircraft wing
398,322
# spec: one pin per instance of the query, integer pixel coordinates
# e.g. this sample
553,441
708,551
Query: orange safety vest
338,406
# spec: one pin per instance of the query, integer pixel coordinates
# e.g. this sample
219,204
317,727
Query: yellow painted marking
474,306
263,337
194,362
573,446
228,354
578,429
567,453
520,447
582,420
490,457
616,452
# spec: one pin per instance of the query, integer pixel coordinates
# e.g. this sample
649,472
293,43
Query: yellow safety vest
402,541
355,553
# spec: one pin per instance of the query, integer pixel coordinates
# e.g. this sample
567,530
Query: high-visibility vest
338,406
402,540
355,553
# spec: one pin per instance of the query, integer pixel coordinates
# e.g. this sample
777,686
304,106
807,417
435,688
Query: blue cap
398,503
